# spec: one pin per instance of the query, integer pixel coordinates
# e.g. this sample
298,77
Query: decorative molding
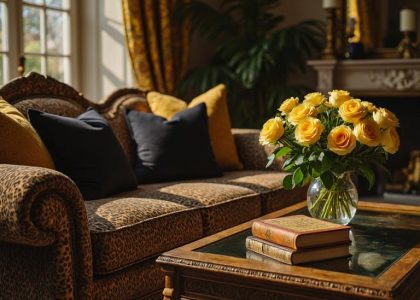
373,77
289,279
399,80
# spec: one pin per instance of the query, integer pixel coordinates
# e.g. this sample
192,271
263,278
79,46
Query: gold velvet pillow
19,142
221,137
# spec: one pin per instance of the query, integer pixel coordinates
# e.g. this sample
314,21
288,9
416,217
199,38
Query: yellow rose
341,140
272,131
308,131
352,110
288,105
390,140
338,97
369,106
367,132
314,99
300,112
385,118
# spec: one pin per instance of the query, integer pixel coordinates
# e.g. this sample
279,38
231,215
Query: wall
294,12
105,64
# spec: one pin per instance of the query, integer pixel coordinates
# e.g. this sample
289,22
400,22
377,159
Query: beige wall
105,64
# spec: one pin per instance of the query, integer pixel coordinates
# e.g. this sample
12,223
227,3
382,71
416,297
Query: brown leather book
299,231
291,256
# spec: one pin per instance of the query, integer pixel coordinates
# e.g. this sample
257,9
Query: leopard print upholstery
141,281
251,154
153,225
52,106
221,205
42,207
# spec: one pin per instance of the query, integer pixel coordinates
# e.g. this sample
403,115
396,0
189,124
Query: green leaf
298,177
271,159
316,168
327,162
367,173
288,182
283,151
327,179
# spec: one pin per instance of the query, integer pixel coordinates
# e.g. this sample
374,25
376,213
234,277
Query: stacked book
297,239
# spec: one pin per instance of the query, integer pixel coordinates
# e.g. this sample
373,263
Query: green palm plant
254,57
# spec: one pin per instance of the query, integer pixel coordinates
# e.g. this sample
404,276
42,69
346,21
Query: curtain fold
158,45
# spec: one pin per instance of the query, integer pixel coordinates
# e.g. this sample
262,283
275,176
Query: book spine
268,250
274,234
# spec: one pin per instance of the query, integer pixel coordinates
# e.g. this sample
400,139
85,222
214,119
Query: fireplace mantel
370,77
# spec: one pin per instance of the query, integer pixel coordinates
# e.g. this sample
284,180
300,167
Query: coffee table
385,263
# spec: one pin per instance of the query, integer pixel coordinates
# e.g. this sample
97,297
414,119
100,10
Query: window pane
34,1
64,4
57,32
3,69
55,67
3,27
32,29
33,63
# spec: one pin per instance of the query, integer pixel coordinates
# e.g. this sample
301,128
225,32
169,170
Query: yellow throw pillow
221,137
19,142
164,105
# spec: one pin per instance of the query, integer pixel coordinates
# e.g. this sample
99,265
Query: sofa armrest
252,155
43,207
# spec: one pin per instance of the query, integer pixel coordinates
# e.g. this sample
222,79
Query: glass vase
337,204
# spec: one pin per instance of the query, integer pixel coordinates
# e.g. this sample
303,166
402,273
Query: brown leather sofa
53,244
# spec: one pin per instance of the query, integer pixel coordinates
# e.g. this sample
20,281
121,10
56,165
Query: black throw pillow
86,150
175,149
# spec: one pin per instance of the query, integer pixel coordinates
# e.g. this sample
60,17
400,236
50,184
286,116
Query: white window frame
15,39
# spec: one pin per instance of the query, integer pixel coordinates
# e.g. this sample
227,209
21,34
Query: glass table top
378,240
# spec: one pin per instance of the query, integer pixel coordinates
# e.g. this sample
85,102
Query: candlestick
407,48
330,3
330,50
407,20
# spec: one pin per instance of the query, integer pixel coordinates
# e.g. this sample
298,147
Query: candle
330,3
408,20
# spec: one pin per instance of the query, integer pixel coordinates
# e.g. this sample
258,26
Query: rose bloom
341,140
272,131
367,132
300,112
308,131
338,97
352,111
385,118
390,140
288,105
369,106
314,99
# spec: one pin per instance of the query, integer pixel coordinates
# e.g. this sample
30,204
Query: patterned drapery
158,44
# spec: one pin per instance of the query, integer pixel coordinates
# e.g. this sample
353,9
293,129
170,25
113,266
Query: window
42,35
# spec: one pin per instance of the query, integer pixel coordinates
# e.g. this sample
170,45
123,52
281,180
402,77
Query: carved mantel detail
399,80
370,77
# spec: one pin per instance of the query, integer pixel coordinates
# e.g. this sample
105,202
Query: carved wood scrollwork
289,279
399,80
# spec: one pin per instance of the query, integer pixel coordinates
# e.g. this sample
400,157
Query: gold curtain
364,13
158,44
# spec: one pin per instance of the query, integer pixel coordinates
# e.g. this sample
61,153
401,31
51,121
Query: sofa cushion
173,149
127,230
86,150
222,204
20,144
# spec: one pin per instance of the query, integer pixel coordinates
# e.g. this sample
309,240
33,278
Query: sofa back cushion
54,106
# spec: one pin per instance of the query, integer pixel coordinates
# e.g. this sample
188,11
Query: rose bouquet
325,139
